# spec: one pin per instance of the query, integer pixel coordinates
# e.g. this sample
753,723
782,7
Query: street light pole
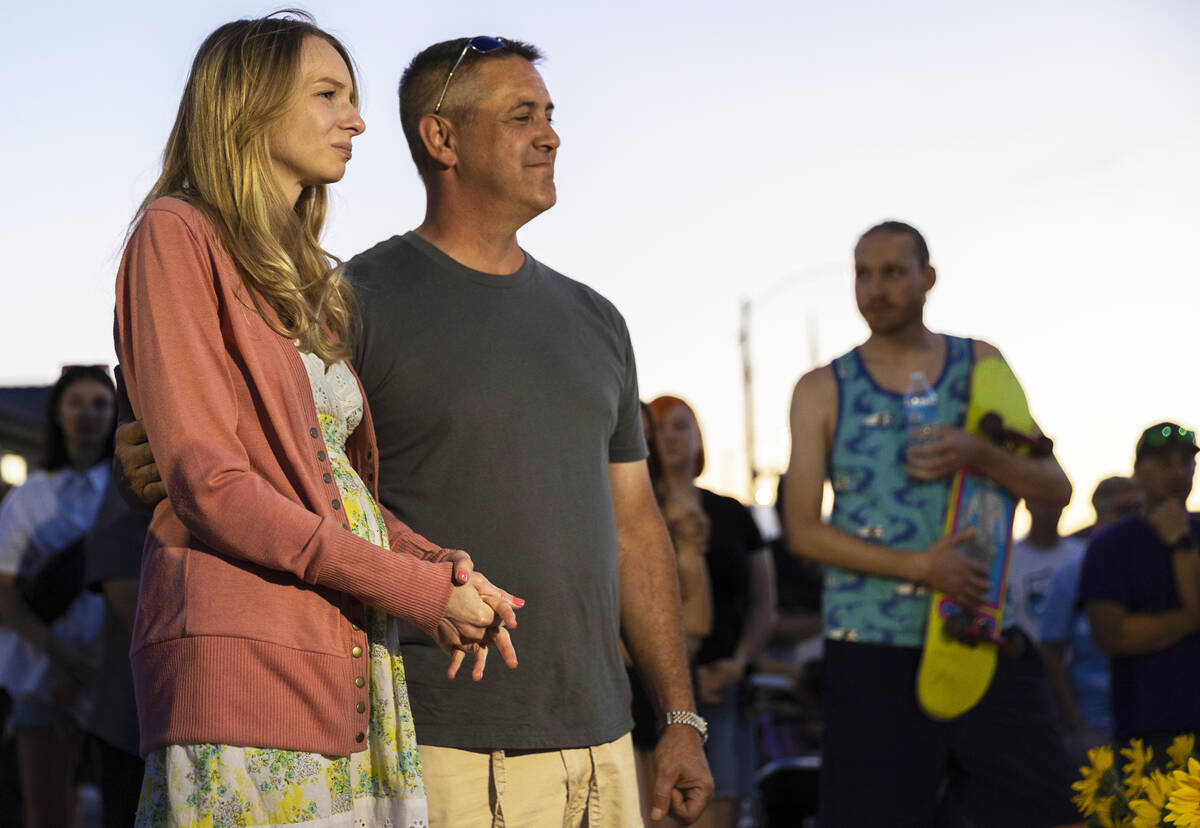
808,274
748,399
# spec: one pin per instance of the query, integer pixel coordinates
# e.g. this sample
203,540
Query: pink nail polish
461,576
518,602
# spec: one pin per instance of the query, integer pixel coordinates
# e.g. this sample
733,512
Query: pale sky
1048,151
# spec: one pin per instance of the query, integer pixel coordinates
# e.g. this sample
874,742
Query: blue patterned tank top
876,500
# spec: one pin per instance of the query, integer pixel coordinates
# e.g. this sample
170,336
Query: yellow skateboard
961,645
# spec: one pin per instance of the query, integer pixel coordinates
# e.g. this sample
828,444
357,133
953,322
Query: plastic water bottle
920,409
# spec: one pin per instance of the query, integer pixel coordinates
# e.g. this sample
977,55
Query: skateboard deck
961,646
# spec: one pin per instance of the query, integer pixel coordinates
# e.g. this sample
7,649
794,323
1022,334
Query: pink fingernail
518,602
461,576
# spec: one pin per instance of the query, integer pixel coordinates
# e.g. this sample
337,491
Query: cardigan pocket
229,597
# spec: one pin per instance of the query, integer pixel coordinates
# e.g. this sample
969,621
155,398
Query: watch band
687,717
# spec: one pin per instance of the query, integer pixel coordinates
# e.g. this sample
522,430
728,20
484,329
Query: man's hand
714,677
950,450
947,570
139,483
1169,520
683,785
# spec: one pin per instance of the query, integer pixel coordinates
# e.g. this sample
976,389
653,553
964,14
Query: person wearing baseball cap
1140,588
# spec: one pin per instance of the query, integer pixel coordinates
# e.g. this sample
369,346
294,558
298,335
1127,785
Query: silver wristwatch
687,717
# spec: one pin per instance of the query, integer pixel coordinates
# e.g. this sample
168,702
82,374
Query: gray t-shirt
499,402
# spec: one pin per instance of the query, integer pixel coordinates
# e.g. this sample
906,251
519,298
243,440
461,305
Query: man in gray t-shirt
505,402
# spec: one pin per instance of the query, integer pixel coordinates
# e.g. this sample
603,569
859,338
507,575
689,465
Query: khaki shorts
592,786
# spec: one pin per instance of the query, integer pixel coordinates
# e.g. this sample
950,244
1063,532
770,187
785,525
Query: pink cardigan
250,612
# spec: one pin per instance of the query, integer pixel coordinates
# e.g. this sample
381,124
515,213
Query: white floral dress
215,786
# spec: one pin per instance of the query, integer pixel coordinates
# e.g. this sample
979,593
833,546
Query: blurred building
21,410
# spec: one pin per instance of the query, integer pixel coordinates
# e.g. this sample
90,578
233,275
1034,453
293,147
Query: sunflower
1101,759
1135,768
1148,808
1183,802
1180,750
1104,807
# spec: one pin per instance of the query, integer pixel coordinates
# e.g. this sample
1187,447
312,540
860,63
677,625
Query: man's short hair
425,77
1109,487
893,226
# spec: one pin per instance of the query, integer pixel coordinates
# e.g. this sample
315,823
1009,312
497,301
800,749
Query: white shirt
1029,573
46,513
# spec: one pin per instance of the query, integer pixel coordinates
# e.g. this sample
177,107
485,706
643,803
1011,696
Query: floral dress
214,786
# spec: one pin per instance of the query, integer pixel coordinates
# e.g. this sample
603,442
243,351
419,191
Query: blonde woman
270,688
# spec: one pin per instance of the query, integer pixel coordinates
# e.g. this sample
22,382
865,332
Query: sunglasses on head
1169,434
481,44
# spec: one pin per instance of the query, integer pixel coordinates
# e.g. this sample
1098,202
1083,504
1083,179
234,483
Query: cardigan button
371,476
356,652
312,432
360,708
359,681
321,456
358,737
327,477
336,503
355,627
346,526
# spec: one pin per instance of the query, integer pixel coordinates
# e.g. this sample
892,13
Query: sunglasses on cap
1163,435
481,44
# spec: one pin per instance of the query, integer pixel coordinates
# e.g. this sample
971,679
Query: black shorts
885,763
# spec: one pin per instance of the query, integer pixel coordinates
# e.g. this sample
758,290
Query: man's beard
885,318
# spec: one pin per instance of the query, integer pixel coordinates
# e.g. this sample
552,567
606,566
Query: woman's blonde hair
218,157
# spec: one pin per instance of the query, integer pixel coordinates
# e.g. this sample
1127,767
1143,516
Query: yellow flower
1183,802
1135,768
1102,760
1180,750
1104,806
1148,808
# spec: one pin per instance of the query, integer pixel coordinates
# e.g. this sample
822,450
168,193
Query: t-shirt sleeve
628,444
751,536
1058,607
1102,578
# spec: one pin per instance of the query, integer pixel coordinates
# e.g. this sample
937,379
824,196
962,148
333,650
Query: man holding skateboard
884,551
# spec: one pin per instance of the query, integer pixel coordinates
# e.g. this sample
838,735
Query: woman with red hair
743,583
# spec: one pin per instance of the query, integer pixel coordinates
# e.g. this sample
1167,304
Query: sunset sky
1049,151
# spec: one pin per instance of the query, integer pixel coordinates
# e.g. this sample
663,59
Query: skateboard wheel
992,426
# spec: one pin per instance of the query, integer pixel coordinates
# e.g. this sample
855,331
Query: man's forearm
1144,632
651,618
1031,478
830,545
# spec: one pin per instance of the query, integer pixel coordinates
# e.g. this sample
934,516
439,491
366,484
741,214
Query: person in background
1077,670
743,582
1033,560
689,534
266,665
1140,588
45,659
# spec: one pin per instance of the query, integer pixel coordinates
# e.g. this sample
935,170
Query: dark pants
120,784
885,763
